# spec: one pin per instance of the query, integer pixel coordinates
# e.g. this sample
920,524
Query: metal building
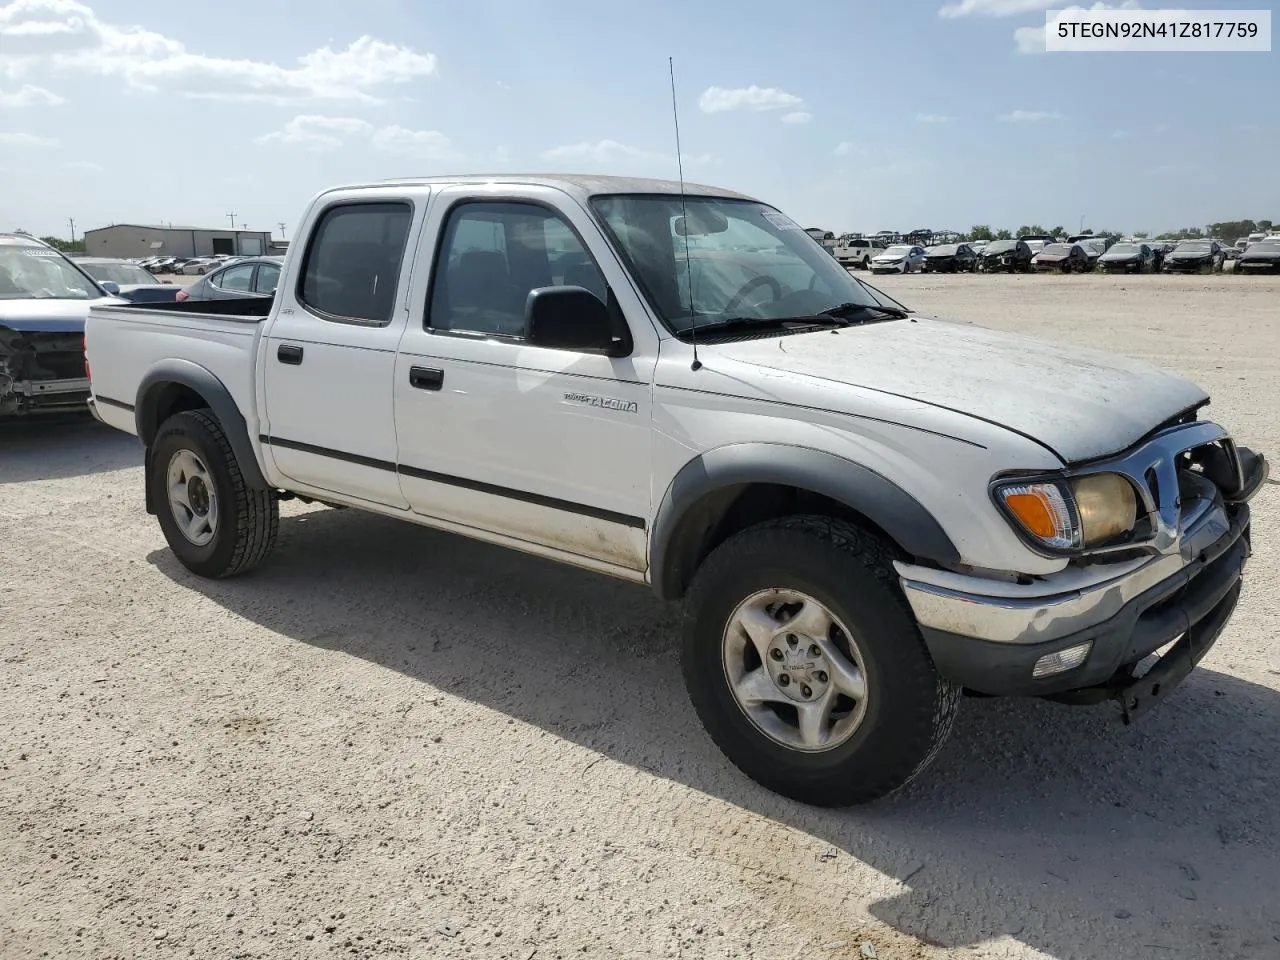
136,240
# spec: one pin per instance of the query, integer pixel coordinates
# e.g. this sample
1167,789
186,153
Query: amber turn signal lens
1043,511
1033,513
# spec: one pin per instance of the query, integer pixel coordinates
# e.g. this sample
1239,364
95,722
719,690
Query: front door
547,447
329,355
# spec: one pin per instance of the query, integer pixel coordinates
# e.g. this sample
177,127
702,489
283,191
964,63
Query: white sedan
902,258
200,266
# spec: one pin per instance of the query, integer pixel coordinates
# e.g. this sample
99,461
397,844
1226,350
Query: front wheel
806,666
215,524
866,263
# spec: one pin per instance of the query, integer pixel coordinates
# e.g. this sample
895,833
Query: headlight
1072,515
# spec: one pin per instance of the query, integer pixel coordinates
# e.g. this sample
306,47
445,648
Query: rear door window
351,267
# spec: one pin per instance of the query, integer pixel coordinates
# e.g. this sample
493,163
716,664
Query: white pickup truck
865,511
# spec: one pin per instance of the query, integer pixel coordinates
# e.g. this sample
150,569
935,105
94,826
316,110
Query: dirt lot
391,742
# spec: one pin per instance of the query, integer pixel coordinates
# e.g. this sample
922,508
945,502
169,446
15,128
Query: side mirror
111,287
570,318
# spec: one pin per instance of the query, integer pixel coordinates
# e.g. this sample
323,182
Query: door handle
288,353
426,378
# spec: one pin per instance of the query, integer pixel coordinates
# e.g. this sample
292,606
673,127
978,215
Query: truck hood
49,316
1080,403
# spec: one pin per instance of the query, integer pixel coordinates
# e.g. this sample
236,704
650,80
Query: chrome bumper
1082,597
1075,600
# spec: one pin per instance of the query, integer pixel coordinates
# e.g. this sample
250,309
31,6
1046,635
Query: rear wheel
866,263
214,523
806,666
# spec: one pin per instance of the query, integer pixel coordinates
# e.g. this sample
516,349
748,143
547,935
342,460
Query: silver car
900,258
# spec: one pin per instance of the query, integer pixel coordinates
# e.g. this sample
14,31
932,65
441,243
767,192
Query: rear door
329,355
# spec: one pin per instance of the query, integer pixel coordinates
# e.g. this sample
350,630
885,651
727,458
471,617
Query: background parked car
200,266
900,258
127,280
1093,247
1062,257
1195,256
1006,256
1129,258
247,277
950,258
1260,257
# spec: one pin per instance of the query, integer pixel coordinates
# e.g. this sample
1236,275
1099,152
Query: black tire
910,708
248,520
866,263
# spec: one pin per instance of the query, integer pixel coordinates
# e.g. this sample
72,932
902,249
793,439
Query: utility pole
281,226
233,220
72,221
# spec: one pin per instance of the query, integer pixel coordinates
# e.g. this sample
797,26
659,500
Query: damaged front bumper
1078,634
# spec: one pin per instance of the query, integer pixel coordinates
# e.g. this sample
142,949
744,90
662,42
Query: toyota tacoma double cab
866,512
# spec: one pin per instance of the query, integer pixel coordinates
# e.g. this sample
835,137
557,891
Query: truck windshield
745,261
31,272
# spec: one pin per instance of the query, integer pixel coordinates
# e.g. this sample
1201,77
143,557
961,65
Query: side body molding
731,468
185,373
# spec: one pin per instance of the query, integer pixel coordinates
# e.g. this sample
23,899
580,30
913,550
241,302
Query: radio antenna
684,217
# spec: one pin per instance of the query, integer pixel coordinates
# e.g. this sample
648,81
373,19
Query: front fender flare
880,500
215,393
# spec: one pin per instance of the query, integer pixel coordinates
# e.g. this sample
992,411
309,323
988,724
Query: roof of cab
581,185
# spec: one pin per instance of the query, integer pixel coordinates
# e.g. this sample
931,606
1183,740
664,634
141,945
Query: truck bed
127,343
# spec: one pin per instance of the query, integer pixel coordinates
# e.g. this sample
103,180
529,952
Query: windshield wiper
842,309
833,316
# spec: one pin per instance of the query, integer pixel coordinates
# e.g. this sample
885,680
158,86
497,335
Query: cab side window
492,254
352,263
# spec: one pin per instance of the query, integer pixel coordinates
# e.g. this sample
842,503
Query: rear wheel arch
731,488
176,386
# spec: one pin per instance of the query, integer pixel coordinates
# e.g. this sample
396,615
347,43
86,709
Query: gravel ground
392,742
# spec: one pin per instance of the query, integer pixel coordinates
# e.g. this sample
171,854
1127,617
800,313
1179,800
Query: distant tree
1141,234
981,232
1231,229
1061,231
23,232
1264,226
1003,235
66,246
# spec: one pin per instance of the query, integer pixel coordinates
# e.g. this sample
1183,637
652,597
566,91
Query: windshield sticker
779,220
38,252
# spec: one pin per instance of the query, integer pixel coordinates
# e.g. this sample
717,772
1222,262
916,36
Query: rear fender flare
219,400
911,526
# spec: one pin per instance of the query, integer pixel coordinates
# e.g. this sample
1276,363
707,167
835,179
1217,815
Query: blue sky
849,115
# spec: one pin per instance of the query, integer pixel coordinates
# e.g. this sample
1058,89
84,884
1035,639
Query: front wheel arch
730,488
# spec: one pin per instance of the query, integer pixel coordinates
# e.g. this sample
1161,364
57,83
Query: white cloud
1031,39
846,149
721,99
610,154
319,133
799,117
88,165
68,35
992,8
602,153
423,144
932,118
30,96
26,140
1029,116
